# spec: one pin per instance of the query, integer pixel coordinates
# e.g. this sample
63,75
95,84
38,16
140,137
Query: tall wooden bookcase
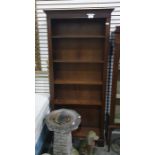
78,51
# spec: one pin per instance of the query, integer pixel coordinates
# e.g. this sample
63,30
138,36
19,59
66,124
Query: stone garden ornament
63,122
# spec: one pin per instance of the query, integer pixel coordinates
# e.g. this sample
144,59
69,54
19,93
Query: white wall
42,84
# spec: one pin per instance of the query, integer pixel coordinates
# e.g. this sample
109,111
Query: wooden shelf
78,37
78,61
77,102
83,132
78,82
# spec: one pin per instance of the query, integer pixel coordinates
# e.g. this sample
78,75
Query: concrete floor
103,151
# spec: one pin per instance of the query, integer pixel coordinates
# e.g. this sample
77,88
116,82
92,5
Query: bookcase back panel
78,49
80,72
77,27
78,92
90,115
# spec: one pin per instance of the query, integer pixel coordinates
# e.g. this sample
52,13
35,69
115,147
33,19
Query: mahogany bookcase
78,43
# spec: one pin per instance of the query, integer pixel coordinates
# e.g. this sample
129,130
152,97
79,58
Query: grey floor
103,151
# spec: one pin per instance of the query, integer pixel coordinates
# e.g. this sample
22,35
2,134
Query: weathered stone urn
63,122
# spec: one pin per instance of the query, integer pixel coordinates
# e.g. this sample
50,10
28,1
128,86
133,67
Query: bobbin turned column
62,143
63,122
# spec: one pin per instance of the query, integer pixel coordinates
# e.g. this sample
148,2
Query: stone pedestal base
62,143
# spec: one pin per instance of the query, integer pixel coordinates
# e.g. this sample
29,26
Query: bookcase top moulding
87,13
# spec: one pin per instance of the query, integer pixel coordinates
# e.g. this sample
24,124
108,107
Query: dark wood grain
78,53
